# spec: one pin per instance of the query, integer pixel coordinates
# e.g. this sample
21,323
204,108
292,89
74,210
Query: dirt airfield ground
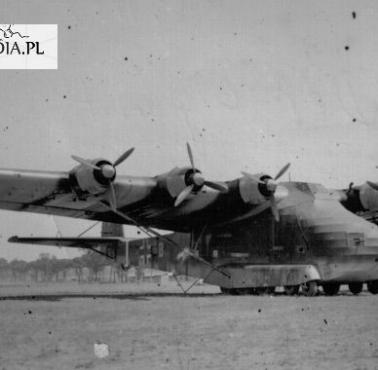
150,327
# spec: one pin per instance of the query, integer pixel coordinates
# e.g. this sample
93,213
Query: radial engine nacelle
184,182
361,198
368,193
96,176
253,190
94,179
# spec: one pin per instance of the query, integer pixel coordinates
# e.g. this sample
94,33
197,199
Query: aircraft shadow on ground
146,295
129,296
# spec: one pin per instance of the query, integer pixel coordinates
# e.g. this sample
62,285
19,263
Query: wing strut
186,253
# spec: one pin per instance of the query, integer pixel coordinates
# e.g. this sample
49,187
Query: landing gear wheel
331,288
270,290
291,289
372,286
355,288
310,288
260,290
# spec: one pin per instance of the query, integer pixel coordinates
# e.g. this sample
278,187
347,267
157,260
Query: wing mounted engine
96,177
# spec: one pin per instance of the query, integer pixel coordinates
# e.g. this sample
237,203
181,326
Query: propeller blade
190,155
223,188
282,171
123,157
183,195
112,198
372,185
274,208
85,162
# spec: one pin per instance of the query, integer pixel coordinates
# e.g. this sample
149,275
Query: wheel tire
356,288
310,288
331,288
260,290
372,286
291,289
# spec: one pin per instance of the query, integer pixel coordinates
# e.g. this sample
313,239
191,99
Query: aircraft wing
82,242
179,200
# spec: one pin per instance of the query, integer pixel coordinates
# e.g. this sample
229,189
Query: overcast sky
251,85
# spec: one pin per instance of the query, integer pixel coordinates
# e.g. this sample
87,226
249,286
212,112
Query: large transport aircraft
247,235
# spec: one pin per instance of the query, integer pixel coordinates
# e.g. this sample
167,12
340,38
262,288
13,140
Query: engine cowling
174,181
368,197
91,179
253,189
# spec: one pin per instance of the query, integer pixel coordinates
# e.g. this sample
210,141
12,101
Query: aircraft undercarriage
263,279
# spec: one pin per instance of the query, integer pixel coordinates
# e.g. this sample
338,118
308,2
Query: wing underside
86,243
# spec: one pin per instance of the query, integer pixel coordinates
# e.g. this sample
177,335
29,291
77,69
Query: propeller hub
108,171
271,185
198,179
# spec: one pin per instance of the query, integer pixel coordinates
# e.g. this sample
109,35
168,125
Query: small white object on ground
101,350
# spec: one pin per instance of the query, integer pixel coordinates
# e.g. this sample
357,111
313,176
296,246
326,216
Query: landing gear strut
291,289
310,288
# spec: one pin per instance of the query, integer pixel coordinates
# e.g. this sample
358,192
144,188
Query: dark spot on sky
325,321
354,120
152,120
319,100
30,312
354,15
346,47
259,310
69,27
46,100
50,332
126,59
221,88
242,85
64,96
235,33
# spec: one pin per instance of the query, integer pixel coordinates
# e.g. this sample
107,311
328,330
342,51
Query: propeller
372,185
107,171
195,181
268,188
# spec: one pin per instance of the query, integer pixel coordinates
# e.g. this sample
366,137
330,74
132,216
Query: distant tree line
48,268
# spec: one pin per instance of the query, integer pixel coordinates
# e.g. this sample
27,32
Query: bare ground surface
149,327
